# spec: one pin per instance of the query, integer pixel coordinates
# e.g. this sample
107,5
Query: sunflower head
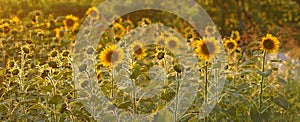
5,29
59,32
230,44
270,43
160,41
235,35
71,22
15,20
93,12
138,50
119,30
144,21
210,30
172,43
207,48
111,56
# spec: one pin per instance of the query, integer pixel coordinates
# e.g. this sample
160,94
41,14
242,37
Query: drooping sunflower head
172,43
207,48
138,50
111,56
70,22
5,29
93,12
270,43
230,44
160,41
235,35
210,30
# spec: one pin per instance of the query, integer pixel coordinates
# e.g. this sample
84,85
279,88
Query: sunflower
119,30
15,20
144,21
59,32
5,29
139,50
70,22
230,44
207,48
160,41
270,43
235,35
210,30
172,43
93,12
111,56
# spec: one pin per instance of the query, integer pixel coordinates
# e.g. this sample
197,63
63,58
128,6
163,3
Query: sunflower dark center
112,56
210,30
70,22
61,33
208,48
137,50
172,44
6,29
94,13
268,44
230,45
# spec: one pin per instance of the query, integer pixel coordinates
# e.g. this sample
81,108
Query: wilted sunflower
172,43
160,41
111,56
138,49
210,30
70,22
207,48
270,43
230,44
119,30
5,29
235,35
93,12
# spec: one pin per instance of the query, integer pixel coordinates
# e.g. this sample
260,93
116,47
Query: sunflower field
57,65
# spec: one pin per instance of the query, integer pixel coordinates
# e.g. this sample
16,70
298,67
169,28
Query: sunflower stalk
206,82
262,81
177,94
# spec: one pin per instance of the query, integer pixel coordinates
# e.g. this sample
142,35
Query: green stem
112,84
206,87
206,82
177,100
262,82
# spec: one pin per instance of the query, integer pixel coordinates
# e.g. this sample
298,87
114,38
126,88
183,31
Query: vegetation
260,42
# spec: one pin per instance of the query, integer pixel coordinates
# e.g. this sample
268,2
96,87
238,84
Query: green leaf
165,116
264,74
168,96
47,88
282,102
136,72
281,80
256,116
37,106
124,105
56,99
